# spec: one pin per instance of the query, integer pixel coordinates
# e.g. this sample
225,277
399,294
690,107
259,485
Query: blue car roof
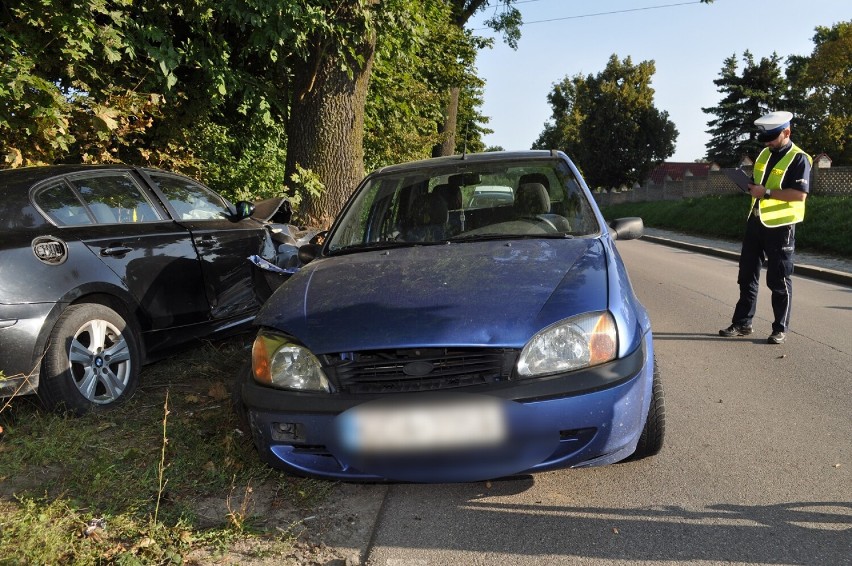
489,156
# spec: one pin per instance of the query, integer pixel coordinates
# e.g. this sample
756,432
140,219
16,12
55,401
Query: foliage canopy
608,124
207,88
816,88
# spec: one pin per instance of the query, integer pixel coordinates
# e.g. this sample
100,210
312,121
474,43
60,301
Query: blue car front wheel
651,440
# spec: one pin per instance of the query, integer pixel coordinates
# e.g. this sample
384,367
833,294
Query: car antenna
464,145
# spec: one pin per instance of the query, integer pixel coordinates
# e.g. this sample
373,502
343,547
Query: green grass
827,227
58,473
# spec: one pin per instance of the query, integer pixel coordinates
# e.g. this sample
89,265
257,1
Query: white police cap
772,124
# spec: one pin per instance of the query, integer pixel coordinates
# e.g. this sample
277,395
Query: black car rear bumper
20,325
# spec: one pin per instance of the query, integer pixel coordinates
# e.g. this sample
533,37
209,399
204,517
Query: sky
687,40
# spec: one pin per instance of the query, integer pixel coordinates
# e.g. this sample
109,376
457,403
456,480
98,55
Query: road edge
821,273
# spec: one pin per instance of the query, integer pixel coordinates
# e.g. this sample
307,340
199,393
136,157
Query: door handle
113,251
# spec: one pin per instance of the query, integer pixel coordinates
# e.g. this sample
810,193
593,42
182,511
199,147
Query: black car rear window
64,208
115,199
96,199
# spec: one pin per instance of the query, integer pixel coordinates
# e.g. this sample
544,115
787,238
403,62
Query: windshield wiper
495,236
384,245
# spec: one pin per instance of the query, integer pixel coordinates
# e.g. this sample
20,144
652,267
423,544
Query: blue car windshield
464,201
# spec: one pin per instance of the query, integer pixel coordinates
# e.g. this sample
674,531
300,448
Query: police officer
781,175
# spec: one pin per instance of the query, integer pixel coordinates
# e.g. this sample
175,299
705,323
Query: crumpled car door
134,238
223,246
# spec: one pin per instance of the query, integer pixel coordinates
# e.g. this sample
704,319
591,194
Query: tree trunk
448,128
325,131
463,10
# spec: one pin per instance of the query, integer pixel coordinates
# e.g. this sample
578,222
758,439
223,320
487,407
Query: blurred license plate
415,428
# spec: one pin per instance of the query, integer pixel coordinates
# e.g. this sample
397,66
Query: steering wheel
540,219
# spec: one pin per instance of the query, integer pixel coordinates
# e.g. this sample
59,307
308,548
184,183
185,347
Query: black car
105,268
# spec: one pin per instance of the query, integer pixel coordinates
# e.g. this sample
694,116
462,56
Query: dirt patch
335,532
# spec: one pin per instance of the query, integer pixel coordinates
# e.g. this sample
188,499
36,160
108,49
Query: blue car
427,341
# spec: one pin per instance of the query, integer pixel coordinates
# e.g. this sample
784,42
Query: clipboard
741,178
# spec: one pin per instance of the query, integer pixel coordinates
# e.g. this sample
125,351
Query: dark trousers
776,245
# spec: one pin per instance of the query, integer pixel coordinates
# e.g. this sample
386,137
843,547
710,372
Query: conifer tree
759,89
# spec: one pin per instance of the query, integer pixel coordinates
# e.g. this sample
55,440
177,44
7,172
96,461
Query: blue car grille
404,371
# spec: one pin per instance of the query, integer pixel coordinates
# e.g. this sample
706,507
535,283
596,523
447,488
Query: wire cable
600,13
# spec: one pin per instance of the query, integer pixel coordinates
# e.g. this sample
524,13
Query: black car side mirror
242,209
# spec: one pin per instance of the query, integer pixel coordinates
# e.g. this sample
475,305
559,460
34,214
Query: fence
832,181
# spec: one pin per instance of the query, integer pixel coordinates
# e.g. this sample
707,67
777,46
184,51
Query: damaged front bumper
590,417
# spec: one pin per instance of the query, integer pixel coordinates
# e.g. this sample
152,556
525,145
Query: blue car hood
493,293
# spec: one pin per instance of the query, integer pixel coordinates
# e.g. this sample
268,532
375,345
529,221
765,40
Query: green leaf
105,118
112,55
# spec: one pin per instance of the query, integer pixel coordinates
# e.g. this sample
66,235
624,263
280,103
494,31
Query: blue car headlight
280,362
577,342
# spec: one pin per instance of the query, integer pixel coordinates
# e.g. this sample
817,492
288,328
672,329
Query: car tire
651,439
92,361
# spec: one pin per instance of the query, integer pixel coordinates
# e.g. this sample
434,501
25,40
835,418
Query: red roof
673,171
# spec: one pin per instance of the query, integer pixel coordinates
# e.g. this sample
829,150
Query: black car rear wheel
651,440
92,360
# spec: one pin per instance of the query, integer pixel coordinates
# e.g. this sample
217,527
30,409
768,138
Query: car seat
103,213
428,219
533,201
452,195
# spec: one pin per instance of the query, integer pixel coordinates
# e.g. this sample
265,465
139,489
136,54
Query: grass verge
168,478
827,227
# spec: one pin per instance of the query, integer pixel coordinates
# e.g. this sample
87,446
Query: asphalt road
756,469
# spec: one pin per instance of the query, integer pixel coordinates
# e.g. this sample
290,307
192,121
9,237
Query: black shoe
776,338
736,330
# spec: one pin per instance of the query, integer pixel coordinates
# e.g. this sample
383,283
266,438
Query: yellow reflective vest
775,212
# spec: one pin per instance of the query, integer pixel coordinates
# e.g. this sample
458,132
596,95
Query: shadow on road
818,532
